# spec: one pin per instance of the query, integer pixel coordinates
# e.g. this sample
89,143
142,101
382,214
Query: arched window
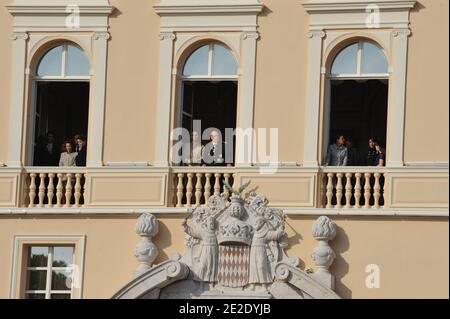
63,61
60,103
209,94
212,60
356,105
361,59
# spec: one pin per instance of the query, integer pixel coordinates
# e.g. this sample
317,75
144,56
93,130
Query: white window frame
209,76
359,66
49,272
184,24
333,23
32,25
22,242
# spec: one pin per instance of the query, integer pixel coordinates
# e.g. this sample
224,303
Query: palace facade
300,73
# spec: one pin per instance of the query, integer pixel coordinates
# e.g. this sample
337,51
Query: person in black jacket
81,157
371,159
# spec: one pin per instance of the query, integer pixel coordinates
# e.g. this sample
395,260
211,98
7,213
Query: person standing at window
81,157
381,155
371,159
197,149
352,153
216,155
68,158
337,154
75,138
52,150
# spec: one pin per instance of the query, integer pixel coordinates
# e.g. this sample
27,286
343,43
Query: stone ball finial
147,225
324,228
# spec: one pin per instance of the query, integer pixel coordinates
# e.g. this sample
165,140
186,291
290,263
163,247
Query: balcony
293,188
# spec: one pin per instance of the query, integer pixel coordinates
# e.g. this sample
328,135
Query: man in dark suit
214,152
81,157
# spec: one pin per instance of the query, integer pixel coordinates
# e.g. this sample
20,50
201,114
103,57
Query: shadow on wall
340,267
292,241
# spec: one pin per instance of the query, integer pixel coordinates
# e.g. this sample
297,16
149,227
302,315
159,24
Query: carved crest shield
234,266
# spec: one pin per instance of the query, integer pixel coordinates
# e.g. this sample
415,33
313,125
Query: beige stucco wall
281,80
6,21
412,253
426,130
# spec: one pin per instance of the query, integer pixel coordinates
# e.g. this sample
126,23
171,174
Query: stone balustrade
346,188
194,185
54,187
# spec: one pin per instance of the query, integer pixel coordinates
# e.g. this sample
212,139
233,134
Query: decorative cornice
207,9
167,36
58,10
250,35
19,36
101,36
404,33
314,6
316,34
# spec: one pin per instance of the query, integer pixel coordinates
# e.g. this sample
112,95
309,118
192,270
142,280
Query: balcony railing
346,188
194,185
54,187
189,187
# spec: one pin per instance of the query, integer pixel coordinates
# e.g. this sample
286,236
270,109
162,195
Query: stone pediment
235,248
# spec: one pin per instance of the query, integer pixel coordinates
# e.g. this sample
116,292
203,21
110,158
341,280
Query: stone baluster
330,188
189,189
348,190
226,191
358,190
377,191
339,190
217,177
59,190
207,187
235,181
367,190
68,189
324,230
50,189
32,194
198,190
42,189
180,190
323,191
77,194
146,251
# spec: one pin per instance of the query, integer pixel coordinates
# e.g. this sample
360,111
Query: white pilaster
16,129
396,116
311,145
97,107
164,99
247,96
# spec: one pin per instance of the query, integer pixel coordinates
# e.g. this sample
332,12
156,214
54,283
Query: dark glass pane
61,280
36,279
62,256
34,296
60,296
38,257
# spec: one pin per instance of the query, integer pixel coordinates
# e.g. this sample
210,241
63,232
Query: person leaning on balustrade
381,155
68,158
337,154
